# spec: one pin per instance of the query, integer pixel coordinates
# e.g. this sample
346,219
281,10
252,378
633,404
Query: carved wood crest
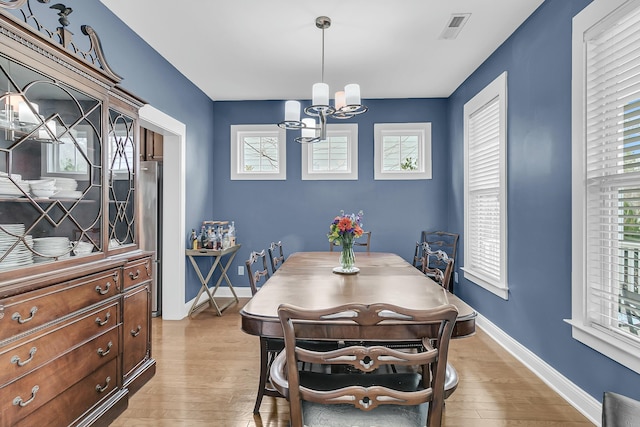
61,36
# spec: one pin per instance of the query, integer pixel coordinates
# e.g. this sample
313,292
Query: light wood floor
207,374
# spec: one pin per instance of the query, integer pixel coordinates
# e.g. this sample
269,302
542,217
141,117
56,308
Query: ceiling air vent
455,24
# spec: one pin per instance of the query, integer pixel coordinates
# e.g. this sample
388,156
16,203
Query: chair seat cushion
315,414
322,381
277,344
318,415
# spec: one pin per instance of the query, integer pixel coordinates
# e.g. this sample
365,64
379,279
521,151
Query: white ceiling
258,49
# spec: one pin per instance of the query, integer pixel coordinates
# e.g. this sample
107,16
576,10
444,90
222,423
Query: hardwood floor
207,374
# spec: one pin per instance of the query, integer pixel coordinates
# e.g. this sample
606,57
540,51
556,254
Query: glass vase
347,257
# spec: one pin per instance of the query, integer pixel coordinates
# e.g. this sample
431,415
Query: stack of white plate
50,247
43,188
66,184
20,254
66,189
11,189
67,194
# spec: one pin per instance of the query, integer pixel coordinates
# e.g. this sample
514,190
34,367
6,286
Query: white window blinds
612,174
484,191
485,240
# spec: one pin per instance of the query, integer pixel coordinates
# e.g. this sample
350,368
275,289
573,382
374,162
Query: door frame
173,208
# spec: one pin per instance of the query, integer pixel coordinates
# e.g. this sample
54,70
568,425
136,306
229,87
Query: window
121,147
70,158
606,180
334,158
258,152
402,150
485,188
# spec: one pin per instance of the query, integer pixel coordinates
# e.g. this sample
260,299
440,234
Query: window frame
498,286
608,343
50,154
351,131
420,130
237,170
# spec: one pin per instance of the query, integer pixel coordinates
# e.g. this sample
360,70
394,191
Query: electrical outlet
241,270
455,277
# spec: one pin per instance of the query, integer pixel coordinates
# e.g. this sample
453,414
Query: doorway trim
173,208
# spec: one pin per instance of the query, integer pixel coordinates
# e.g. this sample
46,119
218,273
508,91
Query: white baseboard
241,292
574,395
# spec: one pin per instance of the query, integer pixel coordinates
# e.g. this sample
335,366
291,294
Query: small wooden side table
217,256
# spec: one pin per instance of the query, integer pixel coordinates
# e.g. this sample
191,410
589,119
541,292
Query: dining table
310,280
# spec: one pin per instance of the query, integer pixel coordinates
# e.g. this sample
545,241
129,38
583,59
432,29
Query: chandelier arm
323,126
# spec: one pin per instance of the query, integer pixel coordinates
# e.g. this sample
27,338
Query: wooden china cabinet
75,288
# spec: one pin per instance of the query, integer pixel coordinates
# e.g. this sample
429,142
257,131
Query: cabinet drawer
28,354
32,309
23,396
66,408
137,272
136,327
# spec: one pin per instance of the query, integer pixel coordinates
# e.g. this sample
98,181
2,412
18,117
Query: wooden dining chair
410,398
418,256
269,347
365,243
441,241
256,275
619,410
276,255
443,273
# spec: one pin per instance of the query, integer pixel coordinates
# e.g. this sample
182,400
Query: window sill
502,292
616,349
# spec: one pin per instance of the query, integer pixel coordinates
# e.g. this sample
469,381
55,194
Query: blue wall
537,59
299,212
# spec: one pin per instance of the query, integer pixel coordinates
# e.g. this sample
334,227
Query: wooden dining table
308,280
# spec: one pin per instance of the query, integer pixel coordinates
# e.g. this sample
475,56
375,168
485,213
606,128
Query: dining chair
443,273
276,255
441,241
366,244
418,256
269,347
414,397
356,242
256,275
619,410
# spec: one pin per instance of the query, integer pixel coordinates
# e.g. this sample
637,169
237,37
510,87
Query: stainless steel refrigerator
151,228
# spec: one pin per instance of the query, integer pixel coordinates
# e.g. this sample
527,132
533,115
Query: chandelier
346,104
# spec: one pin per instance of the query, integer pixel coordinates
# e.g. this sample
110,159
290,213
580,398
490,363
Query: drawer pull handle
101,389
16,359
101,322
136,332
105,290
102,352
18,317
18,400
133,276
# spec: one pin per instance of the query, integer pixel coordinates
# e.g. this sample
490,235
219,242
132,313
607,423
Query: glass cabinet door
121,180
50,169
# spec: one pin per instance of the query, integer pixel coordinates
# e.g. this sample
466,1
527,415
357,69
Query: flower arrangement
344,229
